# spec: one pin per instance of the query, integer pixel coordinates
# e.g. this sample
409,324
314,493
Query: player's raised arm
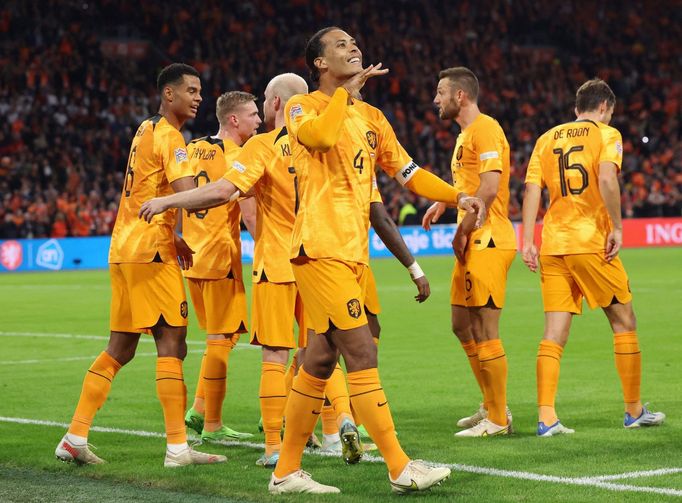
389,234
207,196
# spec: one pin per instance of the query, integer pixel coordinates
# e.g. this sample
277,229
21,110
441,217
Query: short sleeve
174,156
391,155
249,166
534,171
297,112
489,144
376,194
612,146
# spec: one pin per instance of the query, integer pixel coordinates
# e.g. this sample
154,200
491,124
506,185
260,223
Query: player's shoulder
298,101
262,140
164,129
206,141
608,133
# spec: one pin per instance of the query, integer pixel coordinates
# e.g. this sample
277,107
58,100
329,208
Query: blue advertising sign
70,254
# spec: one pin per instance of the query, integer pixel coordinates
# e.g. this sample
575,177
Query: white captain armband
406,173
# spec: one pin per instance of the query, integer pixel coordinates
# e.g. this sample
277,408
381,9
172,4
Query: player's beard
451,112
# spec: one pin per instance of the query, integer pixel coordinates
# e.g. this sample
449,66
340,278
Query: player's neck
589,116
172,119
329,84
226,134
467,115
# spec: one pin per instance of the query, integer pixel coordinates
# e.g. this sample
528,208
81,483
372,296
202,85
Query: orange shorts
372,305
566,279
220,305
333,292
142,293
274,307
482,277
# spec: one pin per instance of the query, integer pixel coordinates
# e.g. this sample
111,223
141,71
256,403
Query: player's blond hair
462,78
229,102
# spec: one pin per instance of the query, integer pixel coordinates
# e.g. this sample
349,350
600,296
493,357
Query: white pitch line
77,358
147,340
639,474
597,481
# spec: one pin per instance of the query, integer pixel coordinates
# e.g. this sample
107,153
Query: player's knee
122,355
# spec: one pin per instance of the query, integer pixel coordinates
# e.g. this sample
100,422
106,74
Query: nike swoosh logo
382,404
275,483
317,413
467,298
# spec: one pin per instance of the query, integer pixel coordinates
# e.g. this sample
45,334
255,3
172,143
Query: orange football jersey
566,161
265,164
158,156
335,187
482,147
213,234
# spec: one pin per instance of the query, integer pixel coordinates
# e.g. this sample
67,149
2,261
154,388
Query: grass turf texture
423,369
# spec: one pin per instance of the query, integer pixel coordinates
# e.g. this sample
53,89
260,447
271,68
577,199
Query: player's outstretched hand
432,215
184,253
424,289
151,208
472,204
355,83
459,245
529,252
613,243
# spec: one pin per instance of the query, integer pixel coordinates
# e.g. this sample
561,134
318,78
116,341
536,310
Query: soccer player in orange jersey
578,162
215,279
480,165
146,281
336,142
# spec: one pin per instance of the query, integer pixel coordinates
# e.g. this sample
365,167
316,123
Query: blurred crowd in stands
77,77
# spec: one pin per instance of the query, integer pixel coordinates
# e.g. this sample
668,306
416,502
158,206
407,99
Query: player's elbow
224,190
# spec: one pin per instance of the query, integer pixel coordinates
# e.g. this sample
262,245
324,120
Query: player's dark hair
462,78
314,49
593,93
173,74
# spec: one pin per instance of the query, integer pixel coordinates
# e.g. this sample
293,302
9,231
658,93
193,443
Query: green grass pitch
424,372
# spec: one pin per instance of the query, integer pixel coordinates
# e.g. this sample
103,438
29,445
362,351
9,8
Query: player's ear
168,93
320,63
277,102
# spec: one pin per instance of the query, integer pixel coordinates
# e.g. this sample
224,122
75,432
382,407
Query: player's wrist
415,271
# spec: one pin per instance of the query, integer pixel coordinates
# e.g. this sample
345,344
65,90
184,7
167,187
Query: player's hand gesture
151,208
423,288
357,81
472,204
529,252
459,245
432,215
613,243
183,251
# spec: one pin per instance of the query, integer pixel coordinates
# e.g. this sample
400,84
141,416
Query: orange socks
471,351
329,425
629,366
200,395
96,386
272,395
371,406
337,394
493,363
214,378
547,369
303,407
170,387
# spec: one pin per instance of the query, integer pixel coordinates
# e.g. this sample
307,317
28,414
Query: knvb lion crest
183,309
354,308
371,139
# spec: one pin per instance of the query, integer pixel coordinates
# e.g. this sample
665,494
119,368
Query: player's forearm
207,196
322,132
389,234
529,212
610,193
428,185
